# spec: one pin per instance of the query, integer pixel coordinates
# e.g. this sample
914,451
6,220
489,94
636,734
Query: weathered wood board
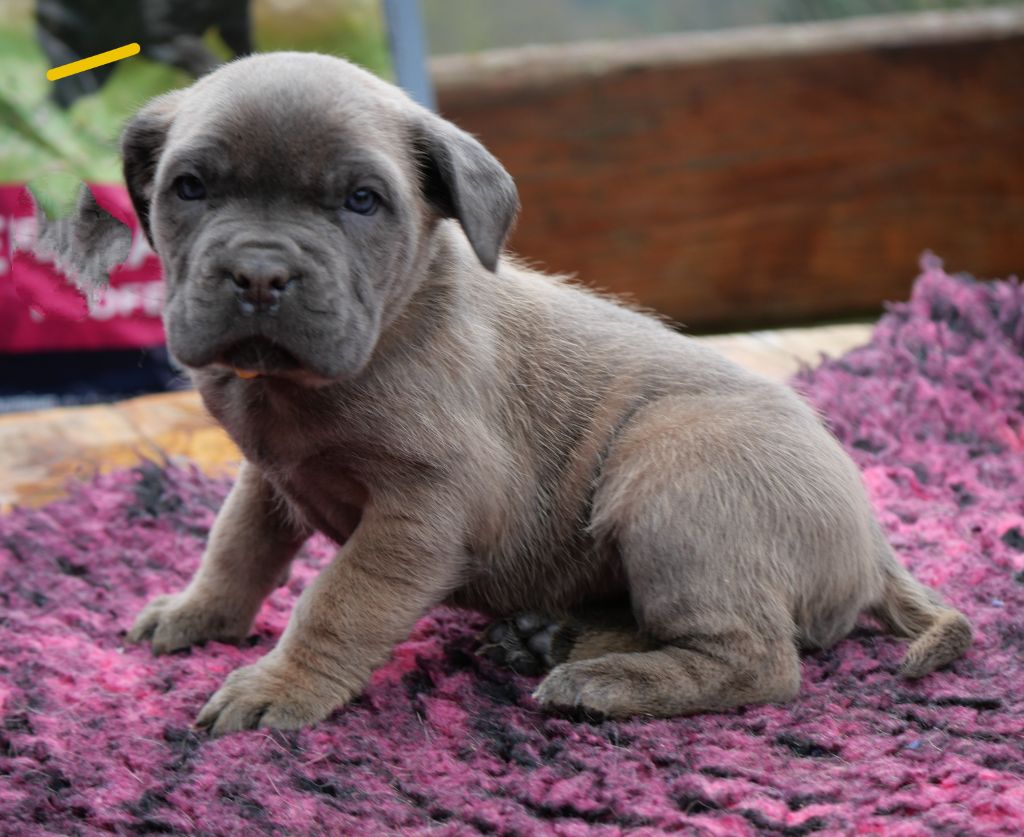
760,177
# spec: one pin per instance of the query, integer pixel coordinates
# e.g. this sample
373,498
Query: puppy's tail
907,608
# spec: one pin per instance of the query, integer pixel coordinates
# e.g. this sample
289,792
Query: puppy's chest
326,498
309,468
321,488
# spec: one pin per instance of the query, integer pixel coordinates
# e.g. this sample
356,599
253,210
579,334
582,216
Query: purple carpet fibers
95,737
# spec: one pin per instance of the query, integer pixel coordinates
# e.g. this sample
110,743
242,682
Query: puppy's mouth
256,356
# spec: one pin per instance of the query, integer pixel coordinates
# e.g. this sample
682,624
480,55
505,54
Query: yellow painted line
93,61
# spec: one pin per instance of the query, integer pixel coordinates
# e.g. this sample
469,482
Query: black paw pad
522,644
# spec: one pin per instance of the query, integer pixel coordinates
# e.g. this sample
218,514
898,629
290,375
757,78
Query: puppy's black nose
260,278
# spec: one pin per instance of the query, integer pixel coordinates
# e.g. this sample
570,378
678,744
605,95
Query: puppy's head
293,199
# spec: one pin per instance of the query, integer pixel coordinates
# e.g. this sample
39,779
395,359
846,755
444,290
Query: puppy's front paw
178,621
269,693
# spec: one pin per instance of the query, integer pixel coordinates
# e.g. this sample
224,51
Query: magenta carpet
95,738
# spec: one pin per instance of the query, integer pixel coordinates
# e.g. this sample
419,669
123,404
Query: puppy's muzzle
259,356
260,277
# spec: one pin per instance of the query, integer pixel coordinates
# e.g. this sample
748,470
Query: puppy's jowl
474,432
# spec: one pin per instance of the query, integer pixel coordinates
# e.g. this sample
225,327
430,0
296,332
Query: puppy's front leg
402,559
251,545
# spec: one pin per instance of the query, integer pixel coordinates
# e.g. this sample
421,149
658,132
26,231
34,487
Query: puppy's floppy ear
142,142
462,180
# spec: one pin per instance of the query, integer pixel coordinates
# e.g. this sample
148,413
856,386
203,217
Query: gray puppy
472,432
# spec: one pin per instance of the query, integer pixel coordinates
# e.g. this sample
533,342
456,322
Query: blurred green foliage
53,150
352,28
39,142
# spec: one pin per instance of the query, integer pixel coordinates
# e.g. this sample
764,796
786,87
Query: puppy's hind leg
708,667
714,661
702,591
593,632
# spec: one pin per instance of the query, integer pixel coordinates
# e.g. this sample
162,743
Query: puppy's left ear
463,180
142,142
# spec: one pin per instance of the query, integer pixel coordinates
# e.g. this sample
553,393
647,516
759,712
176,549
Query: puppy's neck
441,298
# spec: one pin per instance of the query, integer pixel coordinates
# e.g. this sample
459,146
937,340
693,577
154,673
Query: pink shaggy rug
95,737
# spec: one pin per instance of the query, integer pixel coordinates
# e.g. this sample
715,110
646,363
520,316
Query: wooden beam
762,176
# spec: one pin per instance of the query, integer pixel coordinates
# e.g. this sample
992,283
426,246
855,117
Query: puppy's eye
190,188
363,202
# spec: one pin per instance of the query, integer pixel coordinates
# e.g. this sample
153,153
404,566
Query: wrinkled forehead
291,129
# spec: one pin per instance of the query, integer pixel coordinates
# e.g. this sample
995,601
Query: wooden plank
40,451
761,177
780,353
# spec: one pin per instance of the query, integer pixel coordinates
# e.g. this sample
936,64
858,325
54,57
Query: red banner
42,310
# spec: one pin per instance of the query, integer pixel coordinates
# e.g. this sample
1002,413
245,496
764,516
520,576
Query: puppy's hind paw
586,688
523,644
